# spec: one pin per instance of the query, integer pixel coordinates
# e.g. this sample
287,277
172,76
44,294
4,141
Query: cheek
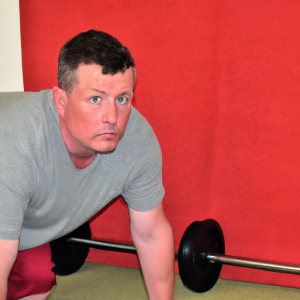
88,125
123,120
81,121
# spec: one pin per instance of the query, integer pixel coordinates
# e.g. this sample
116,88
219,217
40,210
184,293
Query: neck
80,156
82,162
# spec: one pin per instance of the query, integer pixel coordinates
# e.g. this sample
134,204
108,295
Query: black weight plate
196,272
69,257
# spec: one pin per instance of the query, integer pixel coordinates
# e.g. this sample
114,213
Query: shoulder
143,188
139,130
17,107
9,100
139,144
139,141
22,110
23,124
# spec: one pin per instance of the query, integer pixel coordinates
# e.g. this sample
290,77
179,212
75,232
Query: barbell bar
200,256
104,245
253,263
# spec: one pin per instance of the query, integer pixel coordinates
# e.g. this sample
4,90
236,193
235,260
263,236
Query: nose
109,113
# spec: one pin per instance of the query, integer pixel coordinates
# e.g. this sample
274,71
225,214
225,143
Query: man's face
97,111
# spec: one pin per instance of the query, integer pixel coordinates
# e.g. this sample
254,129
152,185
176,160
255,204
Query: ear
60,99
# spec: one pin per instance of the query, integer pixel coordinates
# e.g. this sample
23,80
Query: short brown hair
92,47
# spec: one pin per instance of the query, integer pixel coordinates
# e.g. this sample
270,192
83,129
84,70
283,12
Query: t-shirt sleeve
17,178
144,190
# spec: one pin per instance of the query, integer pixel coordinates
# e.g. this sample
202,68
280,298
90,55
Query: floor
100,281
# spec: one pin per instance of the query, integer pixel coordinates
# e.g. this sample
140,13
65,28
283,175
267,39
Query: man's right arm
8,254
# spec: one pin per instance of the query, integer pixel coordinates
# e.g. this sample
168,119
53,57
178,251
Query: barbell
200,256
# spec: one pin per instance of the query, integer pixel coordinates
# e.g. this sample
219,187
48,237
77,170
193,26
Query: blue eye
121,100
95,99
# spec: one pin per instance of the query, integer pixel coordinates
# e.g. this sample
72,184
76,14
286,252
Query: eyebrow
125,93
102,92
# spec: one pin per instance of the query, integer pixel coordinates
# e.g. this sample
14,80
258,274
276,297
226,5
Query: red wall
219,82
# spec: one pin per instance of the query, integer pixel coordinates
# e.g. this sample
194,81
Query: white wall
11,76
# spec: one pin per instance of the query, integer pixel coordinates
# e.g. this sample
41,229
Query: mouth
109,135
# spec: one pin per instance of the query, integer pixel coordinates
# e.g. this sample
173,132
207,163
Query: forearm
8,254
156,255
3,289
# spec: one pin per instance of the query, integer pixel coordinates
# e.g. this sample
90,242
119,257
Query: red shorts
31,273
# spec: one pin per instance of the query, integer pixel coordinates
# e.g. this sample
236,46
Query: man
65,154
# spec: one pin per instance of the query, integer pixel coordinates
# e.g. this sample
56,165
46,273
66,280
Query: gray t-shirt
43,196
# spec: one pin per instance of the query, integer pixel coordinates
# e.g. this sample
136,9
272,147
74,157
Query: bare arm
8,254
153,237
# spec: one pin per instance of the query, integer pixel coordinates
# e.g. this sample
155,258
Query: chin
106,151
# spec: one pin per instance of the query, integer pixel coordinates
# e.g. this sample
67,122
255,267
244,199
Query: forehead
91,76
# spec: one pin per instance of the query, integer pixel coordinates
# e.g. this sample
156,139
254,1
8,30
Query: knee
31,273
36,297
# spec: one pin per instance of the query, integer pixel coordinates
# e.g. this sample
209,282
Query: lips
109,134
